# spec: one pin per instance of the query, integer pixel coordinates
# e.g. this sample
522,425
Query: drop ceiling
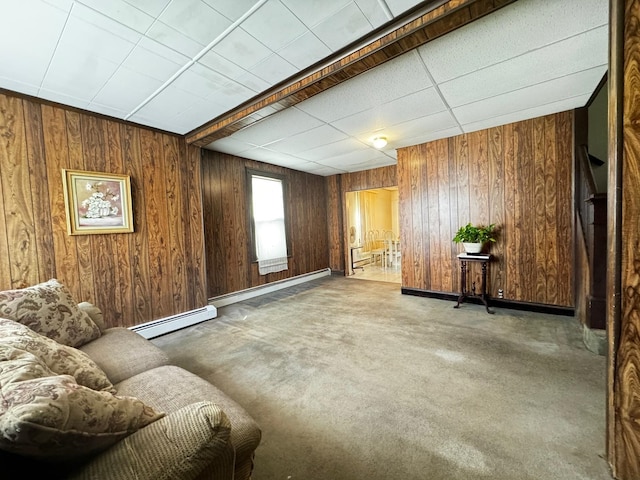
177,64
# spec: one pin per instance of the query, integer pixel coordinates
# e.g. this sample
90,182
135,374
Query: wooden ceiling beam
404,34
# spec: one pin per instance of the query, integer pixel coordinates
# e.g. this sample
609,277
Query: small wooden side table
465,258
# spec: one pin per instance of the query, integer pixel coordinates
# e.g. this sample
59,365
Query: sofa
81,401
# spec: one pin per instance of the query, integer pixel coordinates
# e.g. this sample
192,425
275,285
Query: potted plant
473,237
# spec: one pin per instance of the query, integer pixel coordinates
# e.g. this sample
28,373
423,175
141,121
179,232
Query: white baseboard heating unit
159,327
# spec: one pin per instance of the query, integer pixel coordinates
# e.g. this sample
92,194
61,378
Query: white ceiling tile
253,83
126,89
438,121
57,96
242,49
311,12
391,80
274,25
198,114
232,9
218,63
357,157
305,50
153,64
308,140
428,136
122,12
67,68
286,123
276,158
231,94
170,54
343,27
374,12
200,81
398,7
150,7
334,149
169,103
534,112
81,37
273,69
543,93
18,86
422,103
196,20
101,27
160,123
323,170
230,145
31,48
64,5
524,26
107,110
563,58
175,40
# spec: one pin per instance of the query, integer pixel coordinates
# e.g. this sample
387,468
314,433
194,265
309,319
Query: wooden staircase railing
591,245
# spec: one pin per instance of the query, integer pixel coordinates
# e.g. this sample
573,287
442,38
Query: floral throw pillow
51,417
49,309
60,359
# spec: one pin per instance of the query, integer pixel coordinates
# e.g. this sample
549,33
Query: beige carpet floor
352,380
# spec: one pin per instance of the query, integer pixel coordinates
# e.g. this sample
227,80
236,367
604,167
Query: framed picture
97,202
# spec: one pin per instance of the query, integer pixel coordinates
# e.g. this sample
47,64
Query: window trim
251,241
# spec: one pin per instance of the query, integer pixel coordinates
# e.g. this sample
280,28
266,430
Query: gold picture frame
97,202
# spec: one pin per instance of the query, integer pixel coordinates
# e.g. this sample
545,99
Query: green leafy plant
476,234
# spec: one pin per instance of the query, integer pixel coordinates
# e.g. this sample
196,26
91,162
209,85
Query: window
269,232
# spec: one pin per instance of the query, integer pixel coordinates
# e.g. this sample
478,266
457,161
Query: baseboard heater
248,293
159,327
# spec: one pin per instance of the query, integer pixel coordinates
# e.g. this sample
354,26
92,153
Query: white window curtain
268,218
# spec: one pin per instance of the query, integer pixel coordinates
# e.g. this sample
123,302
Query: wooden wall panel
194,238
134,278
495,161
501,175
227,225
17,194
405,206
623,217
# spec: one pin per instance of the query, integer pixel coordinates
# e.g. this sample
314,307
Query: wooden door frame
623,272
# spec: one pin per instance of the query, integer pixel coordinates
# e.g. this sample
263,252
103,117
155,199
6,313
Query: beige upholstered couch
115,406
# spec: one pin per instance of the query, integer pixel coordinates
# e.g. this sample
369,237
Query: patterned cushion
60,359
49,309
53,418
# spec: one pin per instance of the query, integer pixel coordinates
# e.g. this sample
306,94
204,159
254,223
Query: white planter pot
472,247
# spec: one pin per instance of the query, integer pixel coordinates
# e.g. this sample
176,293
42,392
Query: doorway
373,235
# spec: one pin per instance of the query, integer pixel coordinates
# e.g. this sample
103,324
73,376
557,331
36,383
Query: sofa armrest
179,445
122,353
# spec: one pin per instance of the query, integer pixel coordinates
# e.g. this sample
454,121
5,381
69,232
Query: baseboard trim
240,295
161,326
494,302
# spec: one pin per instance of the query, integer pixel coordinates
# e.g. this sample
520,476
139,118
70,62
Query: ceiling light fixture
380,142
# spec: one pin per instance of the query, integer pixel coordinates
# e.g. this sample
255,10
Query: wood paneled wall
623,217
226,223
518,176
154,272
337,187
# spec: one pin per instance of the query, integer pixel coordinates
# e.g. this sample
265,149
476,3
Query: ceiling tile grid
528,59
176,64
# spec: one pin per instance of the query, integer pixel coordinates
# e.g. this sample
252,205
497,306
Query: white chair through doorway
377,249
